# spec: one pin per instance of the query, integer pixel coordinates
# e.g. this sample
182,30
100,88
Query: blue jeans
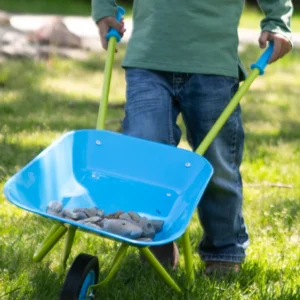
154,101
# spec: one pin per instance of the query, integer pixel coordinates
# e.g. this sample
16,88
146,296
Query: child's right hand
105,24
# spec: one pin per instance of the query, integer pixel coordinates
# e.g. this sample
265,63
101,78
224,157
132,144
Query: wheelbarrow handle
262,62
113,36
257,69
113,31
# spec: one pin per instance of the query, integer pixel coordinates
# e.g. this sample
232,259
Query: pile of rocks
51,38
130,225
55,33
4,18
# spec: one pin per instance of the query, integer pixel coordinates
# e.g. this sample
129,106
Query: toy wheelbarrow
84,168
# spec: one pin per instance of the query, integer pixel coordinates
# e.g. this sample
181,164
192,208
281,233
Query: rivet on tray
187,164
95,175
98,142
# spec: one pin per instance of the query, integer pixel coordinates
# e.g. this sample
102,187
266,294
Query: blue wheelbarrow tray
112,171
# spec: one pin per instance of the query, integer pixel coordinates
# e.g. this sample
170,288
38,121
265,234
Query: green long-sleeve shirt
192,36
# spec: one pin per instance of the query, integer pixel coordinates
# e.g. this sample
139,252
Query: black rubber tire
81,266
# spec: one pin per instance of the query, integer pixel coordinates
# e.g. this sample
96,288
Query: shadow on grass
22,74
96,61
15,156
27,280
56,113
289,132
28,108
286,210
36,110
271,283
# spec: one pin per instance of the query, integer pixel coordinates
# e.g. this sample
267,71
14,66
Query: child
182,57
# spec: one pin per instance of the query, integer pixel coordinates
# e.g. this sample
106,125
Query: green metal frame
159,268
106,83
58,230
68,244
114,267
52,238
227,112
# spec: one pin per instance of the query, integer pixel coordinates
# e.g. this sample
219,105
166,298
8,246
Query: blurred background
51,74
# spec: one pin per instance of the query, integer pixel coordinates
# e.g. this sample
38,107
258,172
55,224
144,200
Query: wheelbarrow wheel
83,273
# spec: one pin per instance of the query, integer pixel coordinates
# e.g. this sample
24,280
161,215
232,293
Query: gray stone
54,206
53,213
134,216
18,48
81,215
85,213
70,214
79,209
115,215
100,213
157,224
56,33
14,43
91,212
121,227
94,219
4,18
126,217
147,227
10,35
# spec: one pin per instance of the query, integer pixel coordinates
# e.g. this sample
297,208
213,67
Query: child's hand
281,44
105,24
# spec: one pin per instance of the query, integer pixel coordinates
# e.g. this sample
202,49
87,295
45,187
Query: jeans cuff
223,258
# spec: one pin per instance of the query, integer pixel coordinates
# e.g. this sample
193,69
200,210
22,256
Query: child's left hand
281,44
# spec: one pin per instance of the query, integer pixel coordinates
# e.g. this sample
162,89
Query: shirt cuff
103,8
277,29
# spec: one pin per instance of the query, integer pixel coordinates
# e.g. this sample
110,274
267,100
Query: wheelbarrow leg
50,233
54,235
114,267
69,243
159,268
188,257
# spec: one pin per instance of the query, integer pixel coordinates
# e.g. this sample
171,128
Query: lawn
42,100
66,7
251,17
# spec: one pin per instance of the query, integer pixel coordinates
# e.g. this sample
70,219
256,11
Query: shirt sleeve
278,14
103,8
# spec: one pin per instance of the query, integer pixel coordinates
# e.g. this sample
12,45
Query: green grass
42,100
66,7
251,17
69,7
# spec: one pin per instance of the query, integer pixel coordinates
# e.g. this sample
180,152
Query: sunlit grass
252,17
66,7
42,100
90,85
